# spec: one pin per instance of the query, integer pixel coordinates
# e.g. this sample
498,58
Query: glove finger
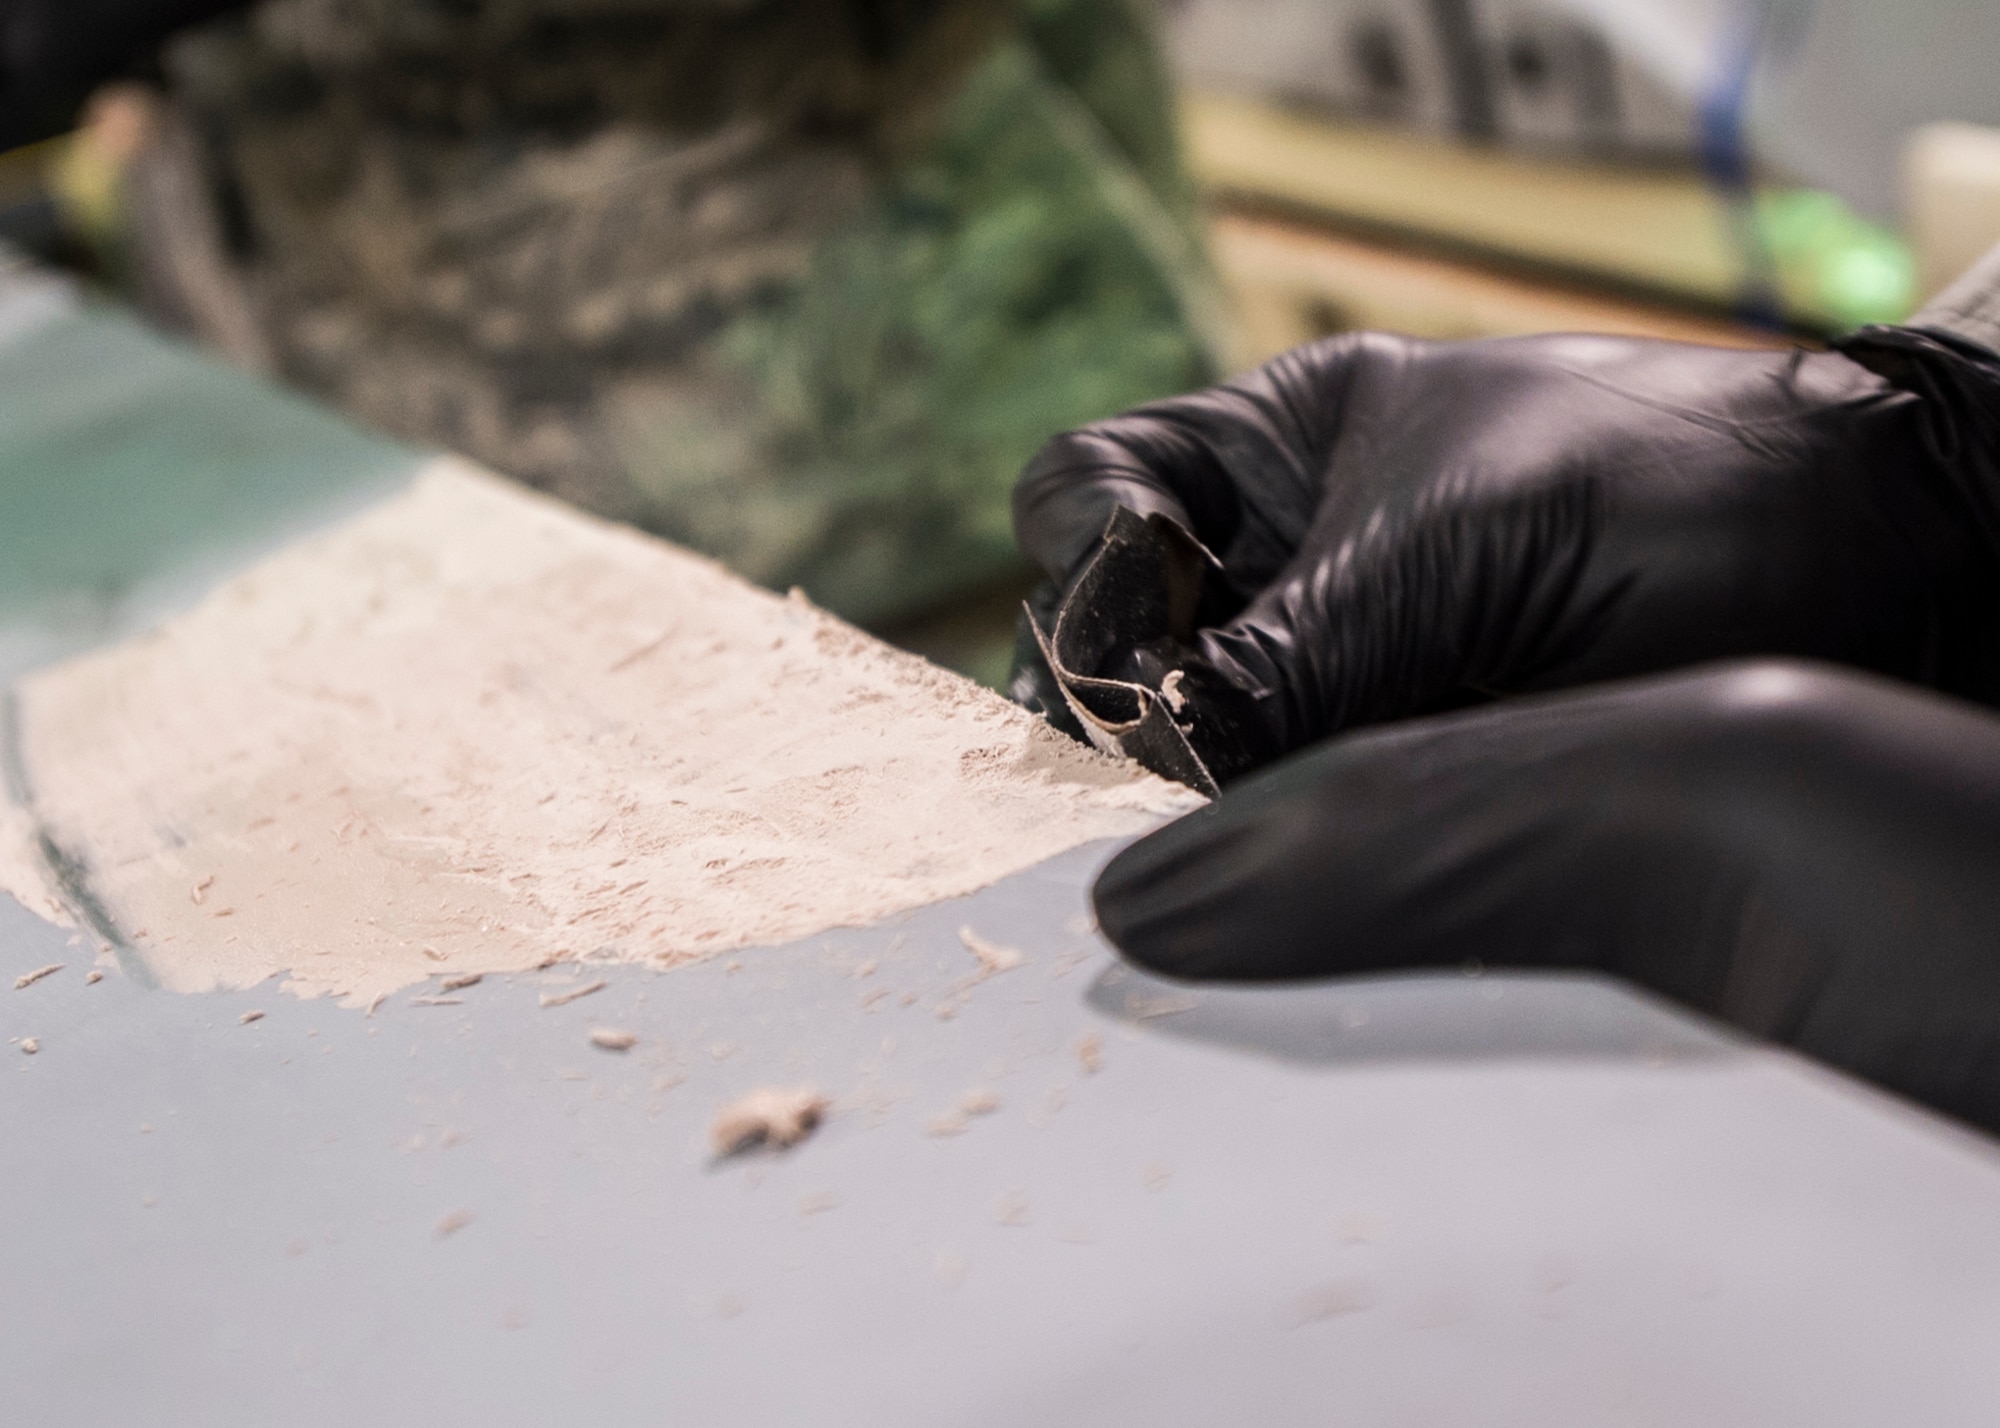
1238,468
1803,852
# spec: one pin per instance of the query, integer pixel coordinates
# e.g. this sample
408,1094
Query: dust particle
451,1224
249,1017
30,1045
1011,1209
1090,1053
1141,1007
460,983
563,999
978,1103
92,977
993,957
770,1115
1331,1301
612,1039
28,979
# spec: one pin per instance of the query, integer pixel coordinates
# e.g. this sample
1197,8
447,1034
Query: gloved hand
1371,527
1809,853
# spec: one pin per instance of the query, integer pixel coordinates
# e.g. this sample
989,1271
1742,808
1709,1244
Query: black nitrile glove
1370,528
1390,529
1806,852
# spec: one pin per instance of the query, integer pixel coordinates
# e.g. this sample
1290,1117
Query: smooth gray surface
1494,1200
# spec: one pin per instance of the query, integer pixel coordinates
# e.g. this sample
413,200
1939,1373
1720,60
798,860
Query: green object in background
1834,264
1037,266
1022,278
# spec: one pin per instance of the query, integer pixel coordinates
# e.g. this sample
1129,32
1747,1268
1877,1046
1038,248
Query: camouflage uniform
800,282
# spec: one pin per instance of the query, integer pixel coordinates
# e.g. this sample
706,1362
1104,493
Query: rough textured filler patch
473,730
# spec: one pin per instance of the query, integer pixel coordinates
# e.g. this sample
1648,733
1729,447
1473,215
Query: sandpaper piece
1190,725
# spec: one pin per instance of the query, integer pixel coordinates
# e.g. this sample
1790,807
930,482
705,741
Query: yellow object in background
1659,230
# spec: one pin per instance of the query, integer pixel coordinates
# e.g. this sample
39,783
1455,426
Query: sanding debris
612,1039
1011,1209
249,1017
993,957
417,738
563,999
460,983
28,979
451,1224
818,1203
92,977
1141,1006
770,1115
29,1046
437,1001
949,1124
1090,1053
1331,1301
979,1103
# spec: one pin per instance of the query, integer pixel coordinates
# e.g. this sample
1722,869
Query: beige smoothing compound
473,730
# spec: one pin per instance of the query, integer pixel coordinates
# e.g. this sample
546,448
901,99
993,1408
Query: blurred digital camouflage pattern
801,283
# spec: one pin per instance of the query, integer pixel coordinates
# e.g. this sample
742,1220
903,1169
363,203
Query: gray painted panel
1504,1200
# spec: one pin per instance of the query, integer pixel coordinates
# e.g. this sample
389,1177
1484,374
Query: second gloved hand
1805,852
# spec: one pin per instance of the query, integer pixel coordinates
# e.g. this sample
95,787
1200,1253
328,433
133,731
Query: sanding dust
476,729
28,979
612,1039
770,1115
563,999
993,957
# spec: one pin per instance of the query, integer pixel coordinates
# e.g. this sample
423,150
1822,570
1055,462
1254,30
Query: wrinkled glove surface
1388,527
1398,531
